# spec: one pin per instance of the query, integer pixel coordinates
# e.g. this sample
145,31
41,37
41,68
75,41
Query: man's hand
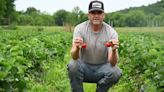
77,42
115,44
113,54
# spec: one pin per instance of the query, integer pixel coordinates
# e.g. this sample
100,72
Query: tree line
151,15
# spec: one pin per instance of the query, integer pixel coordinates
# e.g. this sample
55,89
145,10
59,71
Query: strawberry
84,45
108,44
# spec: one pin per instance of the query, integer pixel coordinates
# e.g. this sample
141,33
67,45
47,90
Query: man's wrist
114,50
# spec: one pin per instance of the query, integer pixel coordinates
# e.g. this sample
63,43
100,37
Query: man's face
96,17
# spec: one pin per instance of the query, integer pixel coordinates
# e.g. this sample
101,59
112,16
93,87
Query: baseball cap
96,6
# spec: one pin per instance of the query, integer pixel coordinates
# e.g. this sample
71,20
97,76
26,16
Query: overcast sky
51,6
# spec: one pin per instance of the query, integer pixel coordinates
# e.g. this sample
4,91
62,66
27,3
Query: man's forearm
75,52
113,57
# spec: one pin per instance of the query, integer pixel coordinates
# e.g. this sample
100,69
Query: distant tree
106,19
76,16
2,8
83,17
135,19
162,19
34,17
7,10
116,19
150,15
31,10
25,19
60,17
47,19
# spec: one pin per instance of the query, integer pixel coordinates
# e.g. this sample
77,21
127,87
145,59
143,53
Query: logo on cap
96,5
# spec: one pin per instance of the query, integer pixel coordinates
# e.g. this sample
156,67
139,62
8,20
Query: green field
34,59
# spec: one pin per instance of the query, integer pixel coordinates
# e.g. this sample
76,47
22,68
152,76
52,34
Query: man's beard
96,22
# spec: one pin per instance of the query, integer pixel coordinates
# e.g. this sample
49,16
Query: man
96,63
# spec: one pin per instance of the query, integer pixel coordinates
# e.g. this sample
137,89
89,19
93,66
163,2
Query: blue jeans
103,74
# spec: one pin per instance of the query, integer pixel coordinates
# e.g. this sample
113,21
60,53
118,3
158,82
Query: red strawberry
84,45
108,44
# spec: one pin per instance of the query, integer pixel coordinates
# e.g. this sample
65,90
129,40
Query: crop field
34,59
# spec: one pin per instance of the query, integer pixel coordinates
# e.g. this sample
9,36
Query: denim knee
111,77
72,66
117,74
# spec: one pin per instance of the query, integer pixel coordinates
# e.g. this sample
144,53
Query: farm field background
34,59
